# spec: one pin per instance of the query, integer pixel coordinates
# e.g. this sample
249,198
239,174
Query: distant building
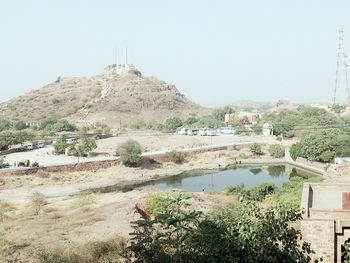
267,129
316,105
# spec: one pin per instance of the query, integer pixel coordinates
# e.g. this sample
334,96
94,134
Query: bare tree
38,201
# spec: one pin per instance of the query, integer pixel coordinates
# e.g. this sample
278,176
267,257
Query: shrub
130,153
255,193
328,156
276,151
256,149
38,200
157,203
175,156
20,125
173,123
84,199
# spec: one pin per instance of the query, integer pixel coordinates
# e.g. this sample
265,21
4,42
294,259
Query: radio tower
341,73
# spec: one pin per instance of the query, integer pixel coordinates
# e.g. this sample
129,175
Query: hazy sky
215,52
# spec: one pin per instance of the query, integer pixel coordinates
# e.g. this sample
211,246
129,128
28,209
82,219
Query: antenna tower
341,72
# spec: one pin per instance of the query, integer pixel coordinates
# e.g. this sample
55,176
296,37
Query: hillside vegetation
112,97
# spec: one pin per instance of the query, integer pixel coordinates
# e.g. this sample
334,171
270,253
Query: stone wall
325,247
317,165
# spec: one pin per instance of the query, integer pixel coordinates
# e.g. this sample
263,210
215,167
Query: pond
217,181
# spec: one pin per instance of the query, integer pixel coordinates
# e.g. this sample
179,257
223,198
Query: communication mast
341,73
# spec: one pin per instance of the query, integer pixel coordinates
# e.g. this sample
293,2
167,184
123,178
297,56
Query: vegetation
276,150
20,125
38,200
255,193
12,138
157,203
99,251
256,149
219,114
300,122
61,144
4,125
175,156
232,233
173,123
130,153
51,126
322,145
84,199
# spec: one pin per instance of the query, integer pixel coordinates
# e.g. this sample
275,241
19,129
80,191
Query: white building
267,129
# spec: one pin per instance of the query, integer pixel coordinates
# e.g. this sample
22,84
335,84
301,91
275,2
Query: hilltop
119,94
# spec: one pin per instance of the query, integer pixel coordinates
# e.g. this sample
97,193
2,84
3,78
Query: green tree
243,233
61,144
295,150
173,123
130,153
256,149
4,125
86,145
20,125
276,151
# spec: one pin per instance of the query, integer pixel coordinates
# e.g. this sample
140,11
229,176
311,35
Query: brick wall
321,235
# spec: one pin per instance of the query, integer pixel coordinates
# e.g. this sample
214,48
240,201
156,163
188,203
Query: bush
38,200
130,153
256,149
276,151
84,199
157,203
327,156
254,193
175,156
173,123
20,125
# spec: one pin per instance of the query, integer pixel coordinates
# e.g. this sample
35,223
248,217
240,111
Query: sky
215,52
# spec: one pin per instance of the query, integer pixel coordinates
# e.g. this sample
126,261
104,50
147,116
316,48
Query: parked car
184,131
211,132
71,141
192,132
203,132
39,144
227,130
29,146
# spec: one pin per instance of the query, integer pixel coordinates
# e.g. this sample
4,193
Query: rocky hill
119,94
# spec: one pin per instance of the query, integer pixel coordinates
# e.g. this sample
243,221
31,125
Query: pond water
250,176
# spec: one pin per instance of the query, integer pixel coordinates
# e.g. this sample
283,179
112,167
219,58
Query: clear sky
215,52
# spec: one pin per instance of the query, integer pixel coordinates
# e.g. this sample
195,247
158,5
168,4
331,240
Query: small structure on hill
326,219
267,129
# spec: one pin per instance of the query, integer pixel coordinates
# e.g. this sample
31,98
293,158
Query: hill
119,94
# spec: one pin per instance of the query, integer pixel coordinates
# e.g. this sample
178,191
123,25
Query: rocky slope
119,94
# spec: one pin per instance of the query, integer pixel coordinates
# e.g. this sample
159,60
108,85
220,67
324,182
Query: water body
217,181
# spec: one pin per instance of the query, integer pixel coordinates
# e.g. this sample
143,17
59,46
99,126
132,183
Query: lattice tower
341,72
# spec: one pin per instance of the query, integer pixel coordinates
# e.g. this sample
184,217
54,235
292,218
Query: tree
38,201
86,145
276,151
173,123
61,144
322,145
295,150
219,114
243,233
130,153
4,125
20,125
256,149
